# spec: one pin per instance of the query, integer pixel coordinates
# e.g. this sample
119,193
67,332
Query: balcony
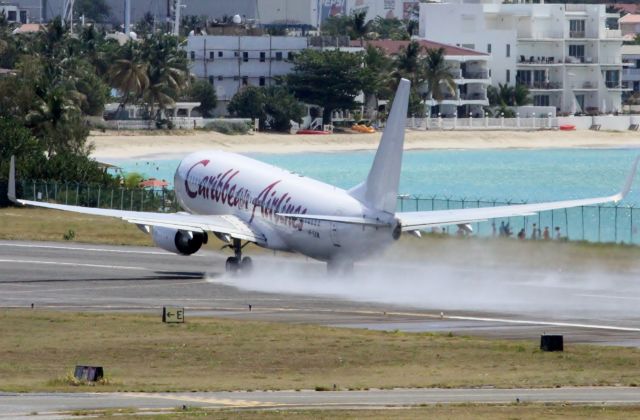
586,86
577,34
480,74
616,84
475,96
538,60
542,85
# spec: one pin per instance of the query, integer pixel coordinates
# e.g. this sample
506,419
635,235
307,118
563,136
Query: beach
167,145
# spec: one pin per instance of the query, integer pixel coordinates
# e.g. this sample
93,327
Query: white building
231,62
631,72
469,70
565,54
13,13
399,9
629,26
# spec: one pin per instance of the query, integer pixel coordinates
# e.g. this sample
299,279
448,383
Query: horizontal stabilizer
338,219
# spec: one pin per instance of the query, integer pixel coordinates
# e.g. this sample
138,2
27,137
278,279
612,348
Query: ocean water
489,175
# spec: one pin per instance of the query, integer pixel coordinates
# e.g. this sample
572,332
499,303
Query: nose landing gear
237,263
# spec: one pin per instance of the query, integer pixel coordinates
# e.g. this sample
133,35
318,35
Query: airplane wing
225,224
418,220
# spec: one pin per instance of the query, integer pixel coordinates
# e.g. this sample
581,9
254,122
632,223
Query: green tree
202,91
359,26
331,79
337,26
389,28
248,103
95,10
128,74
274,106
437,73
19,142
377,78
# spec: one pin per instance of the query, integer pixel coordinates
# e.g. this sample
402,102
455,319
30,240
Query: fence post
34,190
99,192
121,198
582,217
566,222
141,199
131,201
77,192
599,223
615,225
631,225
66,192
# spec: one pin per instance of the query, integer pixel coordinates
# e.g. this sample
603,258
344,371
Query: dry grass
467,411
140,353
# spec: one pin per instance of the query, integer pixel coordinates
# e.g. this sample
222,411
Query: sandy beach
147,145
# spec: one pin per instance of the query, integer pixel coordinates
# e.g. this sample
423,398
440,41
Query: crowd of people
504,231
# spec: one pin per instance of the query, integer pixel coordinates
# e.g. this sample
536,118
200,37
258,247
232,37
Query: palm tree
437,73
406,62
129,75
412,27
359,26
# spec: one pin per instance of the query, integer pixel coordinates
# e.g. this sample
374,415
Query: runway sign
172,315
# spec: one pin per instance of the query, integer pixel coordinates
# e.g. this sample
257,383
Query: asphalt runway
407,294
56,404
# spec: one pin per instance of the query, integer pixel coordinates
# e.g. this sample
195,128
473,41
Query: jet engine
178,241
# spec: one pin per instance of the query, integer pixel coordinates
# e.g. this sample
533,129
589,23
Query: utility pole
68,13
176,12
127,17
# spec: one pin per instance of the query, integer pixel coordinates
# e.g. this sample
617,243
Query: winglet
629,181
11,192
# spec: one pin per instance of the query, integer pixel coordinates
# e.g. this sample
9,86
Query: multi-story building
13,13
470,72
231,62
385,8
631,72
564,53
629,26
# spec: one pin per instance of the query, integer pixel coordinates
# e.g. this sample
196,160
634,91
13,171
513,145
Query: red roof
153,183
393,47
630,18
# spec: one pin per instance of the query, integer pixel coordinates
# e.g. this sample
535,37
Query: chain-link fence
605,223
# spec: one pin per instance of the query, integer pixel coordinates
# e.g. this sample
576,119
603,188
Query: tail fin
380,190
11,191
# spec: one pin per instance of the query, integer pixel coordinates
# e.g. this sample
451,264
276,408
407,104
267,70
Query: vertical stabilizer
380,190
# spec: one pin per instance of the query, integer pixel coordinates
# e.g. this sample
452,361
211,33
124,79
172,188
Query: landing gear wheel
232,265
246,265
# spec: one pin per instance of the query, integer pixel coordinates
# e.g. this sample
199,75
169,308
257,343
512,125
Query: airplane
241,200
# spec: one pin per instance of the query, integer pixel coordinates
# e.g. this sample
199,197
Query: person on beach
522,235
558,236
534,232
546,235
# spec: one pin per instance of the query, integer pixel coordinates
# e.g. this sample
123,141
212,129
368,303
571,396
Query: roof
629,18
393,47
28,28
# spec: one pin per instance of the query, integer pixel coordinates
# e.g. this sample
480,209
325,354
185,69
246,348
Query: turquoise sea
502,175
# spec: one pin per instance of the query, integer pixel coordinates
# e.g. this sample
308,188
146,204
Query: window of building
211,80
576,51
541,100
523,77
12,16
211,55
193,55
508,50
612,78
236,53
219,53
279,56
290,55
263,56
23,16
236,78
508,76
488,48
245,56
245,80
262,81
576,28
220,78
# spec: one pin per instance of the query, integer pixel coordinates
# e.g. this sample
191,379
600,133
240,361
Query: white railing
479,123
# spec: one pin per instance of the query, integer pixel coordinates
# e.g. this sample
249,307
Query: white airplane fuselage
222,183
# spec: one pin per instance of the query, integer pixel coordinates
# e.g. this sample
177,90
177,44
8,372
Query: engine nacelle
178,241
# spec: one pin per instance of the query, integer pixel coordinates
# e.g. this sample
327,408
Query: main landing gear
237,263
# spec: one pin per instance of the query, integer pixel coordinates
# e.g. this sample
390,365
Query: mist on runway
464,276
